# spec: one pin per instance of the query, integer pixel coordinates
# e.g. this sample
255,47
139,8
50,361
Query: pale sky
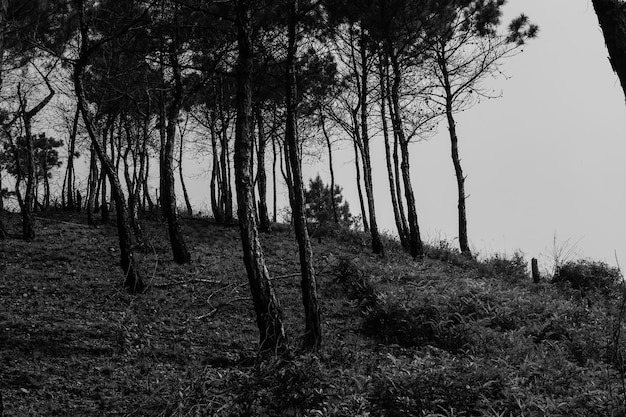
545,159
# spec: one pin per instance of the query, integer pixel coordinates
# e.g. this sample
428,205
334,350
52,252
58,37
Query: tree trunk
93,178
612,18
132,281
404,241
169,118
313,331
366,226
264,220
454,141
377,245
416,246
266,305
216,181
182,179
274,191
227,194
70,176
332,171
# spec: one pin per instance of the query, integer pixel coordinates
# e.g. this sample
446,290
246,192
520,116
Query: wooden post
535,271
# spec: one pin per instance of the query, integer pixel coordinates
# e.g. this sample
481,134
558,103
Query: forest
101,103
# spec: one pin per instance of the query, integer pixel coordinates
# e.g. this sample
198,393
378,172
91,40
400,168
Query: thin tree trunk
404,241
612,18
70,176
366,226
182,179
313,330
416,245
169,118
274,190
377,245
216,181
132,281
266,305
460,178
225,162
332,201
93,178
264,220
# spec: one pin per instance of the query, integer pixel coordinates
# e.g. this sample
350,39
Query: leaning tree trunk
264,220
216,196
460,178
377,244
70,175
313,330
268,312
366,226
612,19
132,281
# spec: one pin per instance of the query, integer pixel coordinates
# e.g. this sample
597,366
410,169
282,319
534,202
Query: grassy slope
444,337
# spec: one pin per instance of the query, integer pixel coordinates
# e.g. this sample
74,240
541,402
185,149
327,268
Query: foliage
319,209
589,275
513,268
45,152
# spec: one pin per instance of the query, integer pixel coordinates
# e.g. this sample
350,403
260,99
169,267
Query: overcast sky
544,160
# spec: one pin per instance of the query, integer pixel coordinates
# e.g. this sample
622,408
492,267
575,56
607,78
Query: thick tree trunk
377,245
416,246
268,311
460,178
612,18
332,171
313,331
264,220
132,281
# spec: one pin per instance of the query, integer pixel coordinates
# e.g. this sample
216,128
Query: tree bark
612,18
216,195
264,220
313,331
266,305
93,178
366,226
70,176
458,170
227,194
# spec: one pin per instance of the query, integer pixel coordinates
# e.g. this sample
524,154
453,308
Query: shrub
394,323
355,283
514,268
589,275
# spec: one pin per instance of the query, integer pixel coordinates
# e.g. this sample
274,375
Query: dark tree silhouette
612,18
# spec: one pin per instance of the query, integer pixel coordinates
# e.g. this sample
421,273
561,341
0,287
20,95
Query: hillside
445,337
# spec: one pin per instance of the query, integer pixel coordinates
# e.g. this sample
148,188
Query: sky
544,161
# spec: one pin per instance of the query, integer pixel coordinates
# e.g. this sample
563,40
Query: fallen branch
191,281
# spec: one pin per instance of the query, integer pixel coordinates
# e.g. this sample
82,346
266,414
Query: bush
514,268
394,323
589,275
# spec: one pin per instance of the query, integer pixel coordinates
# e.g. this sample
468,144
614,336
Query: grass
449,336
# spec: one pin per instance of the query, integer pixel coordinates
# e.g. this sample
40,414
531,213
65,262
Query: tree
313,332
132,282
322,205
266,305
612,18
465,48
